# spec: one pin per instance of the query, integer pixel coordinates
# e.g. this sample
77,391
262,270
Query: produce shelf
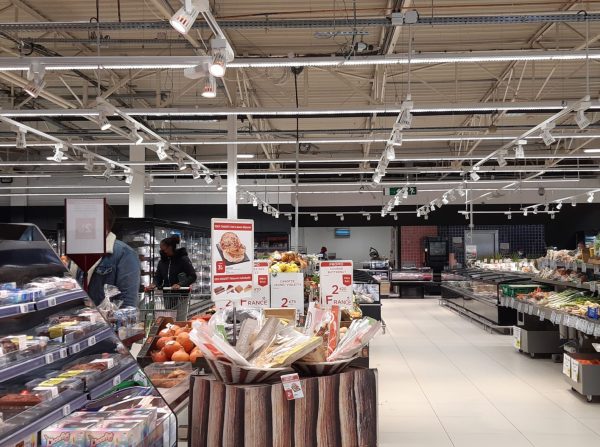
41,416
583,324
114,376
468,294
55,354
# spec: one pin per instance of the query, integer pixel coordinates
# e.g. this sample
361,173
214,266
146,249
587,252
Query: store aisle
446,382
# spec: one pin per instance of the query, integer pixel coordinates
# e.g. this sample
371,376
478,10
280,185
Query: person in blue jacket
119,267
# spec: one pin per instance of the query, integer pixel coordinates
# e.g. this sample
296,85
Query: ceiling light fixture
574,202
390,153
525,212
500,158
245,156
445,200
590,198
208,179
210,87
21,142
547,137
196,175
161,153
59,155
552,216
222,54
219,182
134,135
181,163
582,120
108,171
185,17
35,76
129,179
559,205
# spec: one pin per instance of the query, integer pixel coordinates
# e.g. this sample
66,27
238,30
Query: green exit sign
412,191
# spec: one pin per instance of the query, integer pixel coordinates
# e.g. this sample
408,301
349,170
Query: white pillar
136,189
232,181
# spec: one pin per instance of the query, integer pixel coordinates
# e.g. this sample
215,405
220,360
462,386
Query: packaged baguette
323,323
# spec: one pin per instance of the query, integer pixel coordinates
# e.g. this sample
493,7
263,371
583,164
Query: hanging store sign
232,261
336,278
85,232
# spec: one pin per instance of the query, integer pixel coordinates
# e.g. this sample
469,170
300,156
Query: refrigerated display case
478,295
58,355
267,243
144,236
411,282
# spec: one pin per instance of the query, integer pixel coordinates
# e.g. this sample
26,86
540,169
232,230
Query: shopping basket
165,303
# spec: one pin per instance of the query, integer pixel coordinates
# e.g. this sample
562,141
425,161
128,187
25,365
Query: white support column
136,189
232,181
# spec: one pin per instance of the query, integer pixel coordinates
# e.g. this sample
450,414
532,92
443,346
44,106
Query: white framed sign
336,278
232,261
287,290
85,226
261,286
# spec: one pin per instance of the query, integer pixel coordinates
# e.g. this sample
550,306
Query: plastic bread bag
288,346
213,346
358,335
222,321
323,323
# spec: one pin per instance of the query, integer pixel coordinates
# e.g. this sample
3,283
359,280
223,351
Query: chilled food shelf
55,354
60,298
470,294
32,421
13,310
113,377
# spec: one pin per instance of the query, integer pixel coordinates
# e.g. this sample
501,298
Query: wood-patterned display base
337,410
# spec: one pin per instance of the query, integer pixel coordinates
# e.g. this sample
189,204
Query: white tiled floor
444,381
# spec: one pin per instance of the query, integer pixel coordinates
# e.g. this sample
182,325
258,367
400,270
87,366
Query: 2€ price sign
336,283
287,290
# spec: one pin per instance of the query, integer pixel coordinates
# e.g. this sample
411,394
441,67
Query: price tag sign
232,261
574,370
517,337
567,365
92,340
261,286
63,353
116,380
51,302
49,358
66,410
292,386
336,283
287,290
24,308
75,348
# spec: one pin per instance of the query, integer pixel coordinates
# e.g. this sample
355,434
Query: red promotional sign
336,283
263,280
347,280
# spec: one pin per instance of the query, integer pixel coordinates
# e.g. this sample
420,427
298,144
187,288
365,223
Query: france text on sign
261,290
336,283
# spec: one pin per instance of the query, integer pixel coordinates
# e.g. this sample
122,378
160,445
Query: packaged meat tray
168,374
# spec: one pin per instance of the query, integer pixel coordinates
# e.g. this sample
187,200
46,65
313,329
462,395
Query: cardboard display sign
84,227
336,283
287,290
261,286
232,261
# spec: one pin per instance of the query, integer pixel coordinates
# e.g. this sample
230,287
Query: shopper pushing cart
174,277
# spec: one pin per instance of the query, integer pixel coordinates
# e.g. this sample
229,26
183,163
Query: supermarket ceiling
377,93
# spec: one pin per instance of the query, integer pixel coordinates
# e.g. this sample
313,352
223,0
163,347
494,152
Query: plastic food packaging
168,374
288,346
358,335
67,432
323,323
111,433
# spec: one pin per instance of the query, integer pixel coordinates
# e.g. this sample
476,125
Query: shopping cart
167,302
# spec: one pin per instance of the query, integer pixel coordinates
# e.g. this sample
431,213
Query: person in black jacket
174,269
